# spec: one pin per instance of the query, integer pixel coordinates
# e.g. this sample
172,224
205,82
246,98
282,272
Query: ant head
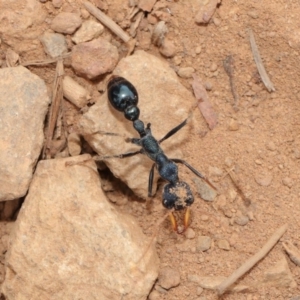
177,196
123,96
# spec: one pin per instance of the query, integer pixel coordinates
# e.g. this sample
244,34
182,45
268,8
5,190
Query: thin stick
107,21
45,61
243,269
55,107
259,64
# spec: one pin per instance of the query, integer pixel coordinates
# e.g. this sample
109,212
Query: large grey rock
23,106
69,242
163,102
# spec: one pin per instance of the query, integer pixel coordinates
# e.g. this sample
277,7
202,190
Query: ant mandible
177,195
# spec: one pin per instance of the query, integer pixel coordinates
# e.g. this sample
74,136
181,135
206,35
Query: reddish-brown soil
261,140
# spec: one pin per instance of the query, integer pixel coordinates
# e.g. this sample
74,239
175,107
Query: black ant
177,195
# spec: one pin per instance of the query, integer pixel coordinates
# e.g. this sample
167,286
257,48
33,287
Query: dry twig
55,106
107,21
228,66
45,61
259,64
203,103
243,269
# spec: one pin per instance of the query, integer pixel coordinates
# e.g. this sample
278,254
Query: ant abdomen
124,97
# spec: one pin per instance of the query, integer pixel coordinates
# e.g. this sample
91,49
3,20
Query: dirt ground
260,142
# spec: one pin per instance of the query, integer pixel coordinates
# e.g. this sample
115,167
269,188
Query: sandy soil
259,142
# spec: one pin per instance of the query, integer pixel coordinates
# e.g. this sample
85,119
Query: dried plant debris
259,64
203,103
292,251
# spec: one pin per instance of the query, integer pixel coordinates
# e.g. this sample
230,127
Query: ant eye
177,196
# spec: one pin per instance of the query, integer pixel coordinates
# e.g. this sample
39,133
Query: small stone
186,72
204,218
206,282
199,290
168,278
280,275
241,220
54,44
250,215
233,125
198,50
287,181
264,177
89,30
208,86
224,245
94,58
74,144
205,191
203,243
190,233
271,146
177,60
213,67
168,48
217,21
66,22
228,162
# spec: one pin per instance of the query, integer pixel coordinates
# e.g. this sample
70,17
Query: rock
168,278
74,144
280,275
287,181
23,107
190,233
54,44
20,22
88,31
94,58
271,146
168,48
66,22
146,5
186,72
241,219
233,125
206,282
205,191
203,243
263,177
80,246
224,245
155,104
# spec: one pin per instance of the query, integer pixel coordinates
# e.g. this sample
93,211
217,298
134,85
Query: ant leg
150,182
176,160
124,155
174,130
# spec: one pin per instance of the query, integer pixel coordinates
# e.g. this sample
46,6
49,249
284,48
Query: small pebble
186,72
228,162
168,278
89,30
271,146
190,233
213,67
208,86
177,60
224,245
216,21
54,44
199,290
253,14
66,22
264,177
205,191
241,220
287,181
57,3
198,50
168,48
203,243
233,125
204,218
250,215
